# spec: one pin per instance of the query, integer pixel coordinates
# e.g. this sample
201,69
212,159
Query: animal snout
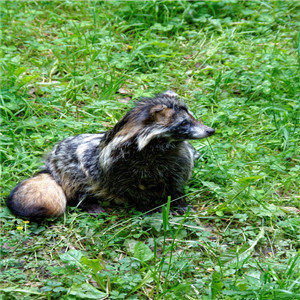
210,130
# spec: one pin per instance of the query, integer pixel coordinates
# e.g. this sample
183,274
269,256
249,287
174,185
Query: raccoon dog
141,161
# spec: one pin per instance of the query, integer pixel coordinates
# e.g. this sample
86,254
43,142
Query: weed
71,67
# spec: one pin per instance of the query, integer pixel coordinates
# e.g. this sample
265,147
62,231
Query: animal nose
210,131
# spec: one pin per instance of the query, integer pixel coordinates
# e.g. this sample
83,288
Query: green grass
71,67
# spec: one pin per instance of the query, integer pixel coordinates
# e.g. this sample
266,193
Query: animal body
141,161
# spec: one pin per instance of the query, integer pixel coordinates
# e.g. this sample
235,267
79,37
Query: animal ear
160,113
157,108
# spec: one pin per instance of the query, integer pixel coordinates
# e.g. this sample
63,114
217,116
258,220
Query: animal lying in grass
141,161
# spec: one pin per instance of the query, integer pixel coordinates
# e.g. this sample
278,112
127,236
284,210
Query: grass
71,67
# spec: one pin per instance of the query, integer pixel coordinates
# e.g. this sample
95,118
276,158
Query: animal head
161,117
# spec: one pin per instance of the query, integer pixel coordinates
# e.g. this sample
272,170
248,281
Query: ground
71,67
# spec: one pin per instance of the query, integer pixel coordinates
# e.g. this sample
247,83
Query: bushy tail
37,197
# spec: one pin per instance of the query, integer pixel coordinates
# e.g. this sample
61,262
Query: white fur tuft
170,94
105,154
144,139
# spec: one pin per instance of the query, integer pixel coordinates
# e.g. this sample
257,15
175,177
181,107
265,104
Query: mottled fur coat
141,161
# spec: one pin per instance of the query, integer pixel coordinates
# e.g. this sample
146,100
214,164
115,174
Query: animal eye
184,123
